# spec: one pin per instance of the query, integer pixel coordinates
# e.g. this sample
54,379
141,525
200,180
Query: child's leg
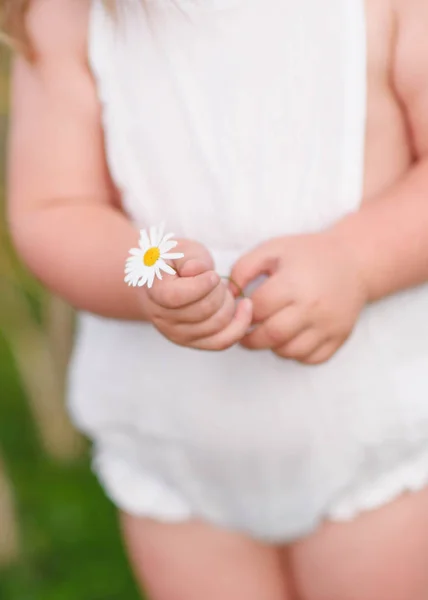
194,561
382,555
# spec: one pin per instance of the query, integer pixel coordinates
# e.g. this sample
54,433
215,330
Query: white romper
235,121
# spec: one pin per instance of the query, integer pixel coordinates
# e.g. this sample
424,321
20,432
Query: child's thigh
192,561
382,555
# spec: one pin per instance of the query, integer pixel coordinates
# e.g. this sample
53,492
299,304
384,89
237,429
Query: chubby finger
277,330
302,346
178,292
201,310
260,261
233,333
270,298
212,325
194,253
192,267
322,354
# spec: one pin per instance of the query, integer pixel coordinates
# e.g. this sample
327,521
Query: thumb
260,261
196,259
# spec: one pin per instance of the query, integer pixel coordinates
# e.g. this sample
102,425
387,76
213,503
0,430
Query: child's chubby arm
319,283
63,212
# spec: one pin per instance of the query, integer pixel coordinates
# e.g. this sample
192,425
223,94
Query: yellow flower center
151,257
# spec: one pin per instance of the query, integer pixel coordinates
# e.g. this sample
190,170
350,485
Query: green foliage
70,541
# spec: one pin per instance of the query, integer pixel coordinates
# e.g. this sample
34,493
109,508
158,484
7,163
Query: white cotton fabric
235,121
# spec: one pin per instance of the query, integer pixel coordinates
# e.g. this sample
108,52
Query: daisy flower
147,261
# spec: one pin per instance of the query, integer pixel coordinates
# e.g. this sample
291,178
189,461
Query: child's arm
389,236
62,212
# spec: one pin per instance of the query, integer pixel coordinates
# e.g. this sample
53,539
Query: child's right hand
195,307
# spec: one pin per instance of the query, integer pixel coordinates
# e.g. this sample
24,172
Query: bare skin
67,195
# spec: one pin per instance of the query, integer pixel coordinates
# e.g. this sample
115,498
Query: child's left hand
309,304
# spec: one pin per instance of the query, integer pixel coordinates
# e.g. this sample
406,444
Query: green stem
240,290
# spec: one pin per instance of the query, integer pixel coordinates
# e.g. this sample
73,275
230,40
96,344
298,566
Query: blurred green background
59,538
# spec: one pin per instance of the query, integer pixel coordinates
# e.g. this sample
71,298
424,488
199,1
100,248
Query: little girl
272,447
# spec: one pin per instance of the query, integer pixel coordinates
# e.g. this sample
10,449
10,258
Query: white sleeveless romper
235,121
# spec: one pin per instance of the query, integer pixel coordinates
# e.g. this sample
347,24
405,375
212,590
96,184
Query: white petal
167,237
167,246
131,280
161,231
130,267
144,240
162,265
158,272
135,252
172,255
135,259
154,236
137,267
143,280
150,278
134,264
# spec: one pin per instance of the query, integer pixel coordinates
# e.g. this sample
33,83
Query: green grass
70,541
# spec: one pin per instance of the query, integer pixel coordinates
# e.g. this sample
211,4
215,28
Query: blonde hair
13,29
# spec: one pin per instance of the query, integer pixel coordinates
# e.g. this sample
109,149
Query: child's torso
234,120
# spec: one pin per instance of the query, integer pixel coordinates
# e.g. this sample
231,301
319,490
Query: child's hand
195,308
309,304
